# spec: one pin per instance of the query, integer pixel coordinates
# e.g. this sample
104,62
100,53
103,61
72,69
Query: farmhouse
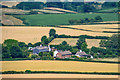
62,54
41,48
81,54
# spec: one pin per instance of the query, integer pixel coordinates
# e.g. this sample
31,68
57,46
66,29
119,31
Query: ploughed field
61,19
33,34
70,66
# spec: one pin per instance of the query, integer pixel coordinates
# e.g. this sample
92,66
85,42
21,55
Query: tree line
85,21
74,6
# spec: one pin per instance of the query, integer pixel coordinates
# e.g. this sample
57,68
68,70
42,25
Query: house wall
59,55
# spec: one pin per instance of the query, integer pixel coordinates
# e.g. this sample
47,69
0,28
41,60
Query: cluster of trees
13,49
74,6
110,48
30,5
86,20
42,56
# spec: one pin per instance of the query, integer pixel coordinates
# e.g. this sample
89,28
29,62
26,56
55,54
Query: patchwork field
73,41
60,19
33,34
71,66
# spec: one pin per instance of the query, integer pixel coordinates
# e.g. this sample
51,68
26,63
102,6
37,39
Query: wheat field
33,34
71,66
97,28
73,41
63,76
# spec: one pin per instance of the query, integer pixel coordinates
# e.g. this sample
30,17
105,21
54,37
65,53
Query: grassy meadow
60,19
71,66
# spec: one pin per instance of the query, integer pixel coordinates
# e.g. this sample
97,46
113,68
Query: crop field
14,11
33,34
49,11
108,59
70,41
59,9
95,28
73,41
63,76
71,66
10,20
60,19
8,3
109,10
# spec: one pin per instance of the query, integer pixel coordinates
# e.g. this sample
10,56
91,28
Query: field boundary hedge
58,72
88,61
15,59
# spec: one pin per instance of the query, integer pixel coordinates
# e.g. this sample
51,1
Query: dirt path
57,76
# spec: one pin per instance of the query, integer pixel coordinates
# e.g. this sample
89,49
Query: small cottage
81,54
62,54
41,48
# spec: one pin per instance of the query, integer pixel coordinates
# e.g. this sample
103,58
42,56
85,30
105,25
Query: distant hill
9,4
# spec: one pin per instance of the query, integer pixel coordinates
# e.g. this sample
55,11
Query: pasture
73,41
32,34
63,19
71,66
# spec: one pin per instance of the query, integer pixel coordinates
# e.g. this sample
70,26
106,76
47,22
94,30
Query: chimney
80,50
40,45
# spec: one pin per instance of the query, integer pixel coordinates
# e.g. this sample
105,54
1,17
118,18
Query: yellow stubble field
33,34
73,41
70,66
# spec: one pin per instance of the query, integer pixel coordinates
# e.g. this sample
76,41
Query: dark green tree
37,44
30,5
22,44
64,43
16,52
10,42
98,19
79,42
5,52
30,45
84,47
44,40
52,32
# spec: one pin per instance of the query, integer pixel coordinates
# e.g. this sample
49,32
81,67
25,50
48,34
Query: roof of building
40,47
64,52
81,53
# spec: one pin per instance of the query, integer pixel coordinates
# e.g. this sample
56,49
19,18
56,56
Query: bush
33,12
28,71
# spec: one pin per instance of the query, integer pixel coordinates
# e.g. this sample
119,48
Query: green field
61,19
109,10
